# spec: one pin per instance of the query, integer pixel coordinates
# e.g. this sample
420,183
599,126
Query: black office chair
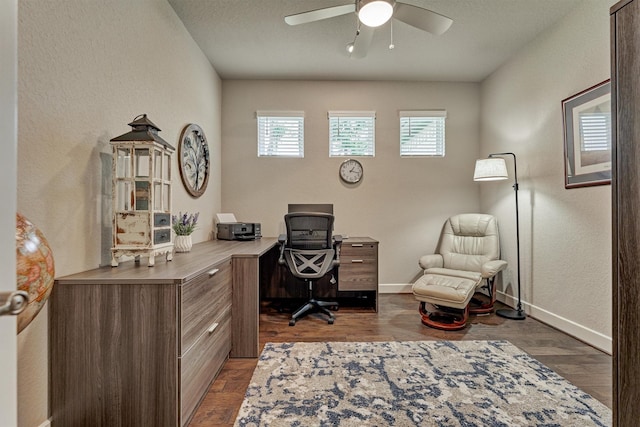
310,251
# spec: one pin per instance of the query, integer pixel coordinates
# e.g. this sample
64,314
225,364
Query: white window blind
595,131
422,133
280,133
352,133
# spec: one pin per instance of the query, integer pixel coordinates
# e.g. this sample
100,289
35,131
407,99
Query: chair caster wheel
292,322
330,321
335,308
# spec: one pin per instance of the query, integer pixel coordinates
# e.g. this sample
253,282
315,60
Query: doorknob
14,302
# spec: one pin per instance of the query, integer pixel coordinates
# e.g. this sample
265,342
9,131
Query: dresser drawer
161,219
202,362
202,299
358,275
161,236
359,251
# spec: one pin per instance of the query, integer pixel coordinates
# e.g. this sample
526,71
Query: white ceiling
248,39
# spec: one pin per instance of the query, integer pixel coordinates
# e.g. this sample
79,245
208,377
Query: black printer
239,231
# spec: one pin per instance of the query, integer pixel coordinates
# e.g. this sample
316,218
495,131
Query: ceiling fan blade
423,19
362,42
319,14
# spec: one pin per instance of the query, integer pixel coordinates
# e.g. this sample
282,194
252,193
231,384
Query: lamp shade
374,13
491,169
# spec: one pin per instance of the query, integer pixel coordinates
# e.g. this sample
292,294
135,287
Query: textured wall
402,202
86,69
8,191
565,234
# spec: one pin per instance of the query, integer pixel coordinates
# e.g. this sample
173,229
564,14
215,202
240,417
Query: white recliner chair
455,278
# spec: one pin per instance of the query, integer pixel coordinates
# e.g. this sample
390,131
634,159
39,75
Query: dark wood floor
398,320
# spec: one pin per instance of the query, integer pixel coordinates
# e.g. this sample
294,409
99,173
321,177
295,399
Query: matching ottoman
448,292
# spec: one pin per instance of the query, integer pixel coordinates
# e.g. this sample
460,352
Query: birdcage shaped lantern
141,193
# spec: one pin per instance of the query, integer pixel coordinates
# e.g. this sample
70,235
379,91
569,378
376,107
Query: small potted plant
183,225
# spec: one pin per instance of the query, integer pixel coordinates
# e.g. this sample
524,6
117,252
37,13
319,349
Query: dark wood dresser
625,114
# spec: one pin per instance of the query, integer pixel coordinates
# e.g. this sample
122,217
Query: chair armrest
491,268
337,244
431,261
282,239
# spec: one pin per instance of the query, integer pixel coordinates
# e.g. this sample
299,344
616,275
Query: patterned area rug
421,383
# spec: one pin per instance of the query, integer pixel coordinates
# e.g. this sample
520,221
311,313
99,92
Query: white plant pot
183,243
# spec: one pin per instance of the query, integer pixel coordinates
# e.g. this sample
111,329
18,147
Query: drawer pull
213,272
357,261
212,328
356,245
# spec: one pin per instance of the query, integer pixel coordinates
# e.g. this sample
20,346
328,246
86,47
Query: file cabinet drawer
202,300
358,265
358,275
202,362
358,250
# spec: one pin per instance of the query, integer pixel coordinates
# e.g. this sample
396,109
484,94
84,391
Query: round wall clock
193,159
351,171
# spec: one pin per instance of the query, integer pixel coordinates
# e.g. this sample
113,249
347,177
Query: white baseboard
46,423
394,288
589,336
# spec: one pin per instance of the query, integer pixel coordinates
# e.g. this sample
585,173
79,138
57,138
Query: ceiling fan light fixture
374,13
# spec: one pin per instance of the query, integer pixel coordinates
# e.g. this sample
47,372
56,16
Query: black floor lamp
492,169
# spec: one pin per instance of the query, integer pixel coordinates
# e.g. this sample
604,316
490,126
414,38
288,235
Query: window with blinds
352,133
280,133
595,131
422,133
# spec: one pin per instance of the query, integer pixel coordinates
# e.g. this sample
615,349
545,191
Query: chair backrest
469,240
309,230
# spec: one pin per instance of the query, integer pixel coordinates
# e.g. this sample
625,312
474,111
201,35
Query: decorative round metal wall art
193,160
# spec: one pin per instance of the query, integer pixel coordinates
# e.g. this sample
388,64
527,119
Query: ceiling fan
372,14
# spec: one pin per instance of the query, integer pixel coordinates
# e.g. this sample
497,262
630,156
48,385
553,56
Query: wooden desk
139,345
357,278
